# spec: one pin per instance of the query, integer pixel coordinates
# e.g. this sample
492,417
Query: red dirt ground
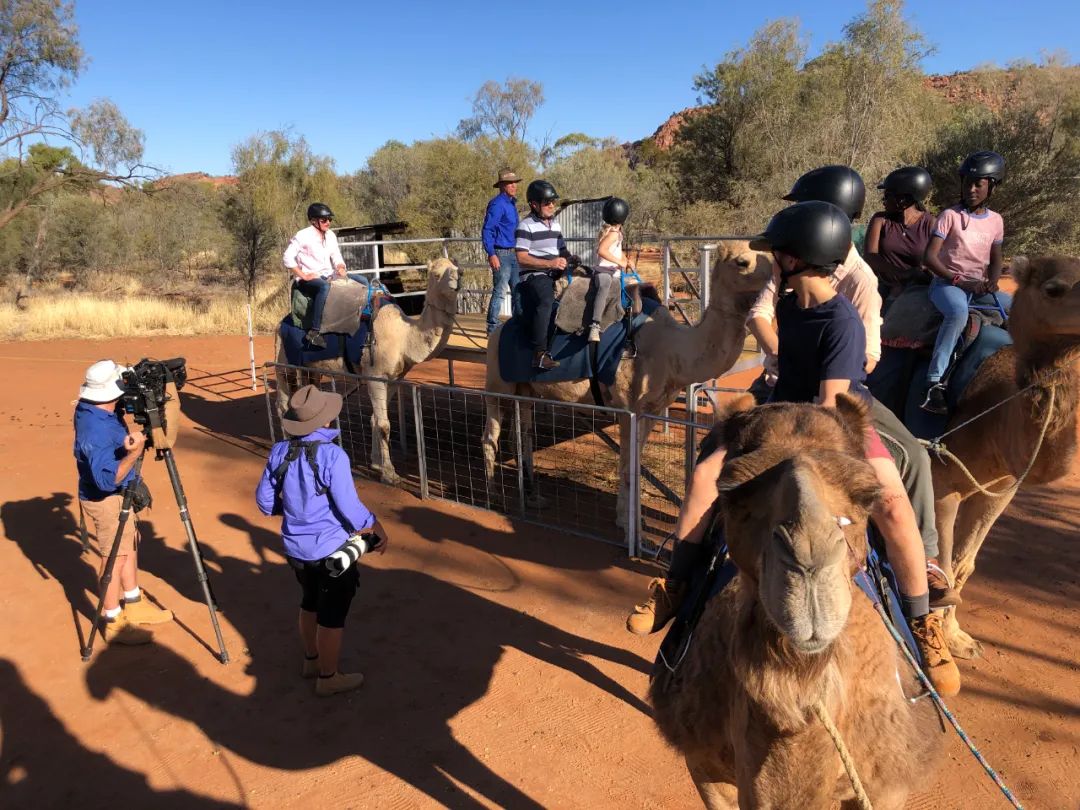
499,672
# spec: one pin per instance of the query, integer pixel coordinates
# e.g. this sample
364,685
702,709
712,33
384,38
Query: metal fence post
703,275
403,434
337,419
691,435
269,406
520,456
421,446
633,500
665,272
445,249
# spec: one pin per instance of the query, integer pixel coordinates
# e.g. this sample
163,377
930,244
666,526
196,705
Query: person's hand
871,364
339,271
630,267
990,286
493,262
134,443
305,276
969,285
559,263
381,536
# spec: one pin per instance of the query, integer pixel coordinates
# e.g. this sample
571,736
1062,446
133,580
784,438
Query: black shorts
327,597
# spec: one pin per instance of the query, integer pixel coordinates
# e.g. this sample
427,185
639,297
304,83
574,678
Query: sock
684,559
110,613
134,595
915,606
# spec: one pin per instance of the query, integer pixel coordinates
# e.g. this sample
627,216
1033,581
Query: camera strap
296,447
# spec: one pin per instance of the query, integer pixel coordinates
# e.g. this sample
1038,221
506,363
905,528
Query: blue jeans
508,274
318,290
952,303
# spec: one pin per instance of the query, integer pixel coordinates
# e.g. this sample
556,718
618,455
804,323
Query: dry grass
57,314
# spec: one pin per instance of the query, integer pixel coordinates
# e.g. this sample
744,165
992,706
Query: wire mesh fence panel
554,463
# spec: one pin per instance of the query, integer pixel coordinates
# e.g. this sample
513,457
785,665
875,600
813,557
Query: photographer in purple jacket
325,529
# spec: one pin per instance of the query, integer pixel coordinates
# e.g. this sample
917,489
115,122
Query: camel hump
576,303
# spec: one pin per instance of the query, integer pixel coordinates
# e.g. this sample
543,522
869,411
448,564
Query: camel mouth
811,646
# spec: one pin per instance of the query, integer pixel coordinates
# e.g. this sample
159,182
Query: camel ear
743,402
1022,270
863,487
854,413
741,470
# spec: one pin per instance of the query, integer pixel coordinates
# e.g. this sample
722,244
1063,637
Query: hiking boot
544,361
337,683
310,668
942,593
139,611
121,631
594,332
315,338
935,400
937,661
665,598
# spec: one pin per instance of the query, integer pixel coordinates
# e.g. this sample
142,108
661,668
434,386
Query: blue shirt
99,448
500,222
825,342
314,526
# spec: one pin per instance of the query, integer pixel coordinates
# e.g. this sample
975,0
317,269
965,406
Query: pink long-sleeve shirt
313,254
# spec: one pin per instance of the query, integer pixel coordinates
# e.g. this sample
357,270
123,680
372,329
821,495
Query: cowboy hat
506,176
310,409
102,382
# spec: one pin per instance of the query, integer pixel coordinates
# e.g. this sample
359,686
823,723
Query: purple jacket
314,526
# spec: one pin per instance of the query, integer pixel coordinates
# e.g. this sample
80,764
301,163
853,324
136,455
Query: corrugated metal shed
581,219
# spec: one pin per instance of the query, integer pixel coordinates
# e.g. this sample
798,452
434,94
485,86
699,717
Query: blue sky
199,77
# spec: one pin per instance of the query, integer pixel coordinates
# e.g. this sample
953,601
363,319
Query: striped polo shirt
541,239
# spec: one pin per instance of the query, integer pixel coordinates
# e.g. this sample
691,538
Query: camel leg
628,476
380,433
533,498
974,519
489,442
945,510
715,795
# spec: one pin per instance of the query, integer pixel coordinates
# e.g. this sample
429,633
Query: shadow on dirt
41,765
428,648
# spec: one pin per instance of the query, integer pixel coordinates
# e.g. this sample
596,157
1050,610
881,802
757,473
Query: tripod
193,545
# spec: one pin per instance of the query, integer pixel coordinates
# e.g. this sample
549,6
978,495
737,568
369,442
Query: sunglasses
325,219
548,202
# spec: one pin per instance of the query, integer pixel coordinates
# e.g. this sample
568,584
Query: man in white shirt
314,260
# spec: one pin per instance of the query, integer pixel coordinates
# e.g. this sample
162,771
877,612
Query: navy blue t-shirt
826,342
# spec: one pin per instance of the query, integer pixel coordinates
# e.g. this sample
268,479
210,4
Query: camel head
739,270
795,494
1046,309
443,283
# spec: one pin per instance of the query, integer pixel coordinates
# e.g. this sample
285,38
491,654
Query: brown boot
937,660
121,631
139,611
665,598
337,683
942,593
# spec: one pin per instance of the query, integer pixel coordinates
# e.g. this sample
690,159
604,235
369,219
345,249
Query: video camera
146,392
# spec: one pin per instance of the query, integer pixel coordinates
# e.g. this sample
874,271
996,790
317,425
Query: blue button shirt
99,448
314,526
500,222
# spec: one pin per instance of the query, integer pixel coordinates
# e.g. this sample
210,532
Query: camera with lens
149,396
355,547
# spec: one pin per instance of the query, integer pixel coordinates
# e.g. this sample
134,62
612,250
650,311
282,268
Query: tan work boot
140,611
942,593
664,602
121,631
937,660
310,669
337,683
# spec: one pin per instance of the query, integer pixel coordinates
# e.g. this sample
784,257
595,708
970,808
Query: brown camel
670,356
792,629
997,447
400,342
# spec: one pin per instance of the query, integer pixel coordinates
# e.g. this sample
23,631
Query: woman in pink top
965,257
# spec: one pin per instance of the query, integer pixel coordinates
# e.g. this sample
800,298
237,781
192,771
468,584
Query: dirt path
499,673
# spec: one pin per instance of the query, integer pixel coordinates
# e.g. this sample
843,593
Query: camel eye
742,262
1055,289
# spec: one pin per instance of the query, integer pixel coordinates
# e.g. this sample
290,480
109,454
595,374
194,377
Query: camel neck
710,347
433,324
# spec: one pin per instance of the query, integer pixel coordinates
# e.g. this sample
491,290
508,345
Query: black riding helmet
319,210
816,232
984,163
840,185
541,191
909,181
616,210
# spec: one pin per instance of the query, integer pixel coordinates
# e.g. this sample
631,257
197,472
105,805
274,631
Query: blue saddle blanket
572,351
300,353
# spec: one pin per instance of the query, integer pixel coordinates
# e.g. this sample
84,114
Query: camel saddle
349,302
573,312
912,320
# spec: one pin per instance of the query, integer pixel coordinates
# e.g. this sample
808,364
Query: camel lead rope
822,714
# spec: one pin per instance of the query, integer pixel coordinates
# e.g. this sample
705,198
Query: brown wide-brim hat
309,410
507,176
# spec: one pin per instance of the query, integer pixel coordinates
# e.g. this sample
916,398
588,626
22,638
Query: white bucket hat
102,383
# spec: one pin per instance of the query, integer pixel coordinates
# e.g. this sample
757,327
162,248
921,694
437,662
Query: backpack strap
296,447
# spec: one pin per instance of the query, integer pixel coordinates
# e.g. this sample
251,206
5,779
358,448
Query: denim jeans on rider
319,291
507,275
952,303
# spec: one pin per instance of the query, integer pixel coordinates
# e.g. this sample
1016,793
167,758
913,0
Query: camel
670,356
997,448
400,342
792,629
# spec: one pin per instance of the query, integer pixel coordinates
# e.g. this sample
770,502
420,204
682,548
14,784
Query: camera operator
308,481
105,454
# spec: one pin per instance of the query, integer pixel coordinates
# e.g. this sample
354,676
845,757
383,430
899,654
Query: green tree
504,110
